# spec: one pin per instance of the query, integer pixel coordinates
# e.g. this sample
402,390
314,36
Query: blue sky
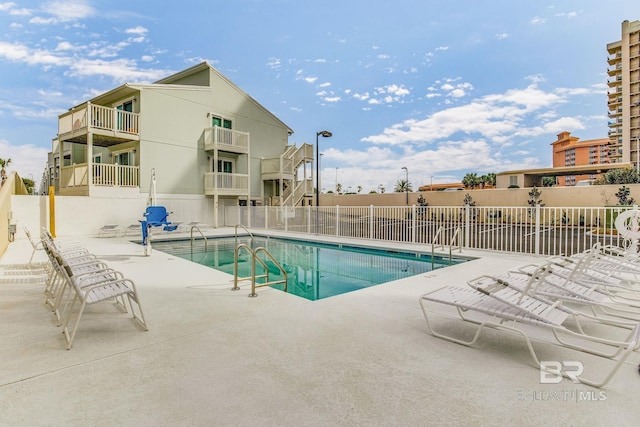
442,88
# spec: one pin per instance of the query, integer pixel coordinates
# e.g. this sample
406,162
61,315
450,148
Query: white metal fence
533,230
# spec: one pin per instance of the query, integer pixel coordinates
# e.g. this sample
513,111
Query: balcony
109,126
105,175
226,184
229,140
277,168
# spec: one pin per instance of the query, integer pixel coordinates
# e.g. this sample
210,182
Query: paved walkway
214,357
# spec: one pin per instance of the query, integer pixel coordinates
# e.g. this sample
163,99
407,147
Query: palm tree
4,163
471,180
403,186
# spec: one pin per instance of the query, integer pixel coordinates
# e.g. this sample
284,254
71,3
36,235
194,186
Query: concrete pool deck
213,356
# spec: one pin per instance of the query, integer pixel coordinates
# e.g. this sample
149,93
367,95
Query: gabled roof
131,88
206,66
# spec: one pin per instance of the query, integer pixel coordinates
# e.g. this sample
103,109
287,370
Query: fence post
467,225
371,222
286,217
266,217
337,220
413,223
308,219
537,230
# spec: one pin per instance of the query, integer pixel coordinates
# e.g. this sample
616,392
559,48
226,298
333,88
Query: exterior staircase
295,190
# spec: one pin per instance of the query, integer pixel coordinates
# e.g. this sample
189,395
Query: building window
221,122
513,180
225,166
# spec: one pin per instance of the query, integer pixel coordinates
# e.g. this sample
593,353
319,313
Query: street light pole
324,134
406,184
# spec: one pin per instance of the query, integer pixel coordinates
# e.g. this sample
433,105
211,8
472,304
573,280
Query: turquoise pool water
314,270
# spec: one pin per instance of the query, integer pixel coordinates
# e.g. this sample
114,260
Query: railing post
337,220
283,209
413,223
371,222
467,225
537,231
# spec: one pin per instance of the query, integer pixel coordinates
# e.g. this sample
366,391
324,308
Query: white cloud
361,96
64,46
4,7
493,117
502,36
27,160
139,30
64,11
537,20
310,79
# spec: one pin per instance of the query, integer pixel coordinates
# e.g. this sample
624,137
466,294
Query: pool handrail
451,242
253,277
267,283
202,234
245,229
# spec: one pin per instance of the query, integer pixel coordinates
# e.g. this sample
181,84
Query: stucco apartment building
570,151
208,143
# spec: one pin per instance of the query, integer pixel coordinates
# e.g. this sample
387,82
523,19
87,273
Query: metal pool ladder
451,242
203,236
254,260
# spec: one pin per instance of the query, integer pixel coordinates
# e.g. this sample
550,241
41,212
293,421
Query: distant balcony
226,184
223,139
108,125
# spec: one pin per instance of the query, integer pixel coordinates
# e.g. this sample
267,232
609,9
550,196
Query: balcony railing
106,175
226,184
277,167
97,117
226,139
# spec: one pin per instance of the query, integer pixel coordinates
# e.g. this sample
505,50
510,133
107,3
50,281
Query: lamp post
406,184
324,134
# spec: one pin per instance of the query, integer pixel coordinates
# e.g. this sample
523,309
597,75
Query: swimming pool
314,270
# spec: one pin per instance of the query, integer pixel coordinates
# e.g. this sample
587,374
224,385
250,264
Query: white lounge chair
556,282
499,307
109,230
133,229
92,288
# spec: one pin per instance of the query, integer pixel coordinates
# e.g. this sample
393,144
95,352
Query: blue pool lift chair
155,216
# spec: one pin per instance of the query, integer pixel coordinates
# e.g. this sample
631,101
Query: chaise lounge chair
495,305
92,288
108,230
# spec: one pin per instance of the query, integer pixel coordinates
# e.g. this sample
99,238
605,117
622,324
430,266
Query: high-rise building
624,95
